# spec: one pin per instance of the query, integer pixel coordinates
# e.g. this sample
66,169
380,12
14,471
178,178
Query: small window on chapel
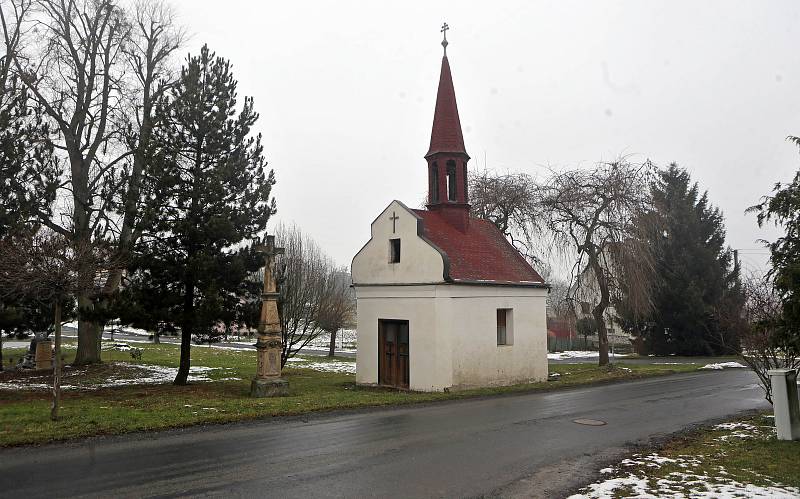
394,250
504,326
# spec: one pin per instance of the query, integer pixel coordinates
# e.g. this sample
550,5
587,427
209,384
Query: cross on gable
394,219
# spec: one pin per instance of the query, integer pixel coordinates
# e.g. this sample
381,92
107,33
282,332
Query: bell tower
447,158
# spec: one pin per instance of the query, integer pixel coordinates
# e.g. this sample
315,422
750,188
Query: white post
785,403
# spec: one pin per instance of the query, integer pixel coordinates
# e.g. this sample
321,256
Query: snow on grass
579,354
723,365
688,476
333,366
132,374
743,431
345,341
701,486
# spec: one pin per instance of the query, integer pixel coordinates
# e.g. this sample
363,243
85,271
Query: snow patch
331,367
723,365
334,366
688,483
140,374
579,354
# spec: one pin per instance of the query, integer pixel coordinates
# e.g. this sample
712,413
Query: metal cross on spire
444,29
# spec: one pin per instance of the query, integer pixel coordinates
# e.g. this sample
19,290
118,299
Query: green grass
24,414
716,461
760,460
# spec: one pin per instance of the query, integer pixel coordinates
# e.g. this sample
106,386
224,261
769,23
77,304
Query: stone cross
268,381
394,218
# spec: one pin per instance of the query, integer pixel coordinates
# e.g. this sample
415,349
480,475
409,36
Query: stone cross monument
268,381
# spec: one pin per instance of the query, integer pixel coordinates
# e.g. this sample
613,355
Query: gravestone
44,354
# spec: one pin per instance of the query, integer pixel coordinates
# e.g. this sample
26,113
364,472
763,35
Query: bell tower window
464,180
434,181
451,180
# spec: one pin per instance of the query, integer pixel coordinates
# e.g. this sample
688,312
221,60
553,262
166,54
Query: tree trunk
182,378
599,310
602,334
156,338
88,336
57,364
333,344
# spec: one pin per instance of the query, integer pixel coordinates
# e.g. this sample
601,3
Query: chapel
444,301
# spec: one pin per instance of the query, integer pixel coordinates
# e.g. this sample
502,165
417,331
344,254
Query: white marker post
785,403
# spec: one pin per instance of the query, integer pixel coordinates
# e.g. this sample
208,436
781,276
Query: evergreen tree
783,209
28,177
208,197
697,282
28,167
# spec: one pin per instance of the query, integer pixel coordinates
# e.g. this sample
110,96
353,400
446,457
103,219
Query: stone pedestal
277,387
268,381
44,354
785,403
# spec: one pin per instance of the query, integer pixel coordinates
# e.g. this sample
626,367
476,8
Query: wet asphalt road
497,445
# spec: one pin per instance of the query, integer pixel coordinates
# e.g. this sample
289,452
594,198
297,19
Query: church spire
447,158
446,134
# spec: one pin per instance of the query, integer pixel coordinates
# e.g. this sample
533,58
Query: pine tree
697,280
782,208
28,167
28,176
209,198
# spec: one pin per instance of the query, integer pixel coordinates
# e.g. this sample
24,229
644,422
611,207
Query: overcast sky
346,92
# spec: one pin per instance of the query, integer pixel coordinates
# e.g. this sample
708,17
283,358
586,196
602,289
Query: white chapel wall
429,354
453,334
419,262
477,359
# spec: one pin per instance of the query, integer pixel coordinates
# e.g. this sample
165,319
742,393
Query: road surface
525,445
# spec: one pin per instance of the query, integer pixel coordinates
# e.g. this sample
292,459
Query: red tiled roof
446,135
482,253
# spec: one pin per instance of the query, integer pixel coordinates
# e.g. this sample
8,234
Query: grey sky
346,93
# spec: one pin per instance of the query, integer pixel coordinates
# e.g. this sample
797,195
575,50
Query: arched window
434,188
451,180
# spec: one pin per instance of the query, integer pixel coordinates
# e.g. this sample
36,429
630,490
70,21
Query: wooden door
393,353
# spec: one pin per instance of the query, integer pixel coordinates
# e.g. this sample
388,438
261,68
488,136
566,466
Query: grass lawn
92,407
741,458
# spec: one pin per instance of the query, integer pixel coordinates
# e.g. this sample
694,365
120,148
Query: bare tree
97,74
597,214
305,278
762,346
153,39
47,268
338,306
511,202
